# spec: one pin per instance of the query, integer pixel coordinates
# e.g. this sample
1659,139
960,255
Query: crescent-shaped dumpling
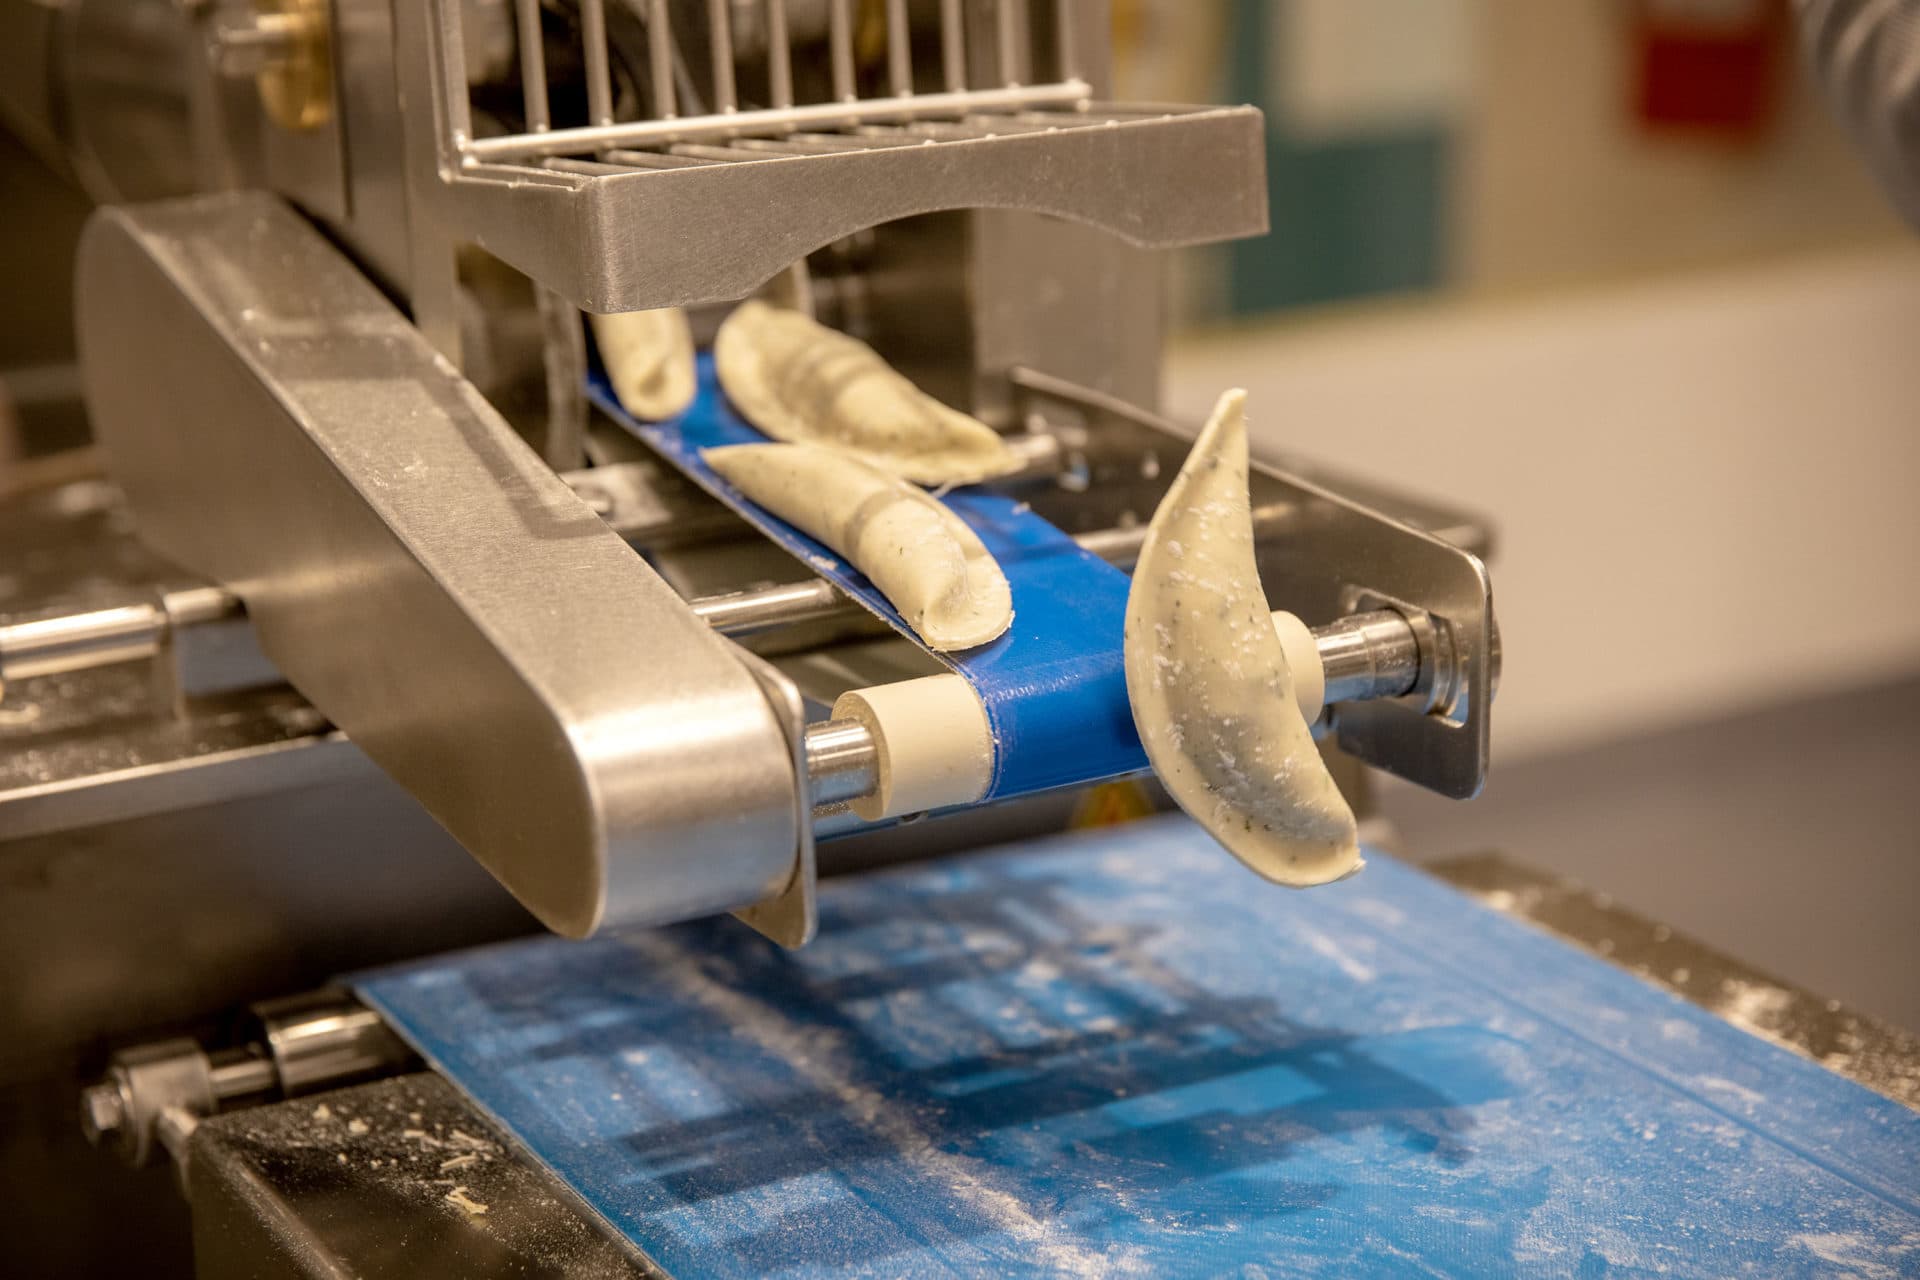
1212,696
801,382
649,359
922,557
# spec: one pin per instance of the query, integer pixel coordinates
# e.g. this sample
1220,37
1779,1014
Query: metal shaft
533,65
310,1041
843,763
102,637
743,613
809,116
1366,656
1370,655
779,55
593,37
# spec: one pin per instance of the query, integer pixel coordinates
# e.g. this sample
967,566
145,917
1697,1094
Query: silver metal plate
421,576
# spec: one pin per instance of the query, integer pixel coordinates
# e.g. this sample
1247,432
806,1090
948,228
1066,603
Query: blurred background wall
1608,272
1670,358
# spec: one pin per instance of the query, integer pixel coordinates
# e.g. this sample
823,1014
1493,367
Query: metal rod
103,637
1004,34
815,115
828,143
741,613
953,46
843,762
1368,655
653,160
840,38
659,60
533,65
78,641
455,90
241,1075
899,50
593,37
720,35
779,55
1120,545
1064,36
191,605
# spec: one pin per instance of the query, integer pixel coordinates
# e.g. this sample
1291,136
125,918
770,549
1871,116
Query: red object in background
1709,67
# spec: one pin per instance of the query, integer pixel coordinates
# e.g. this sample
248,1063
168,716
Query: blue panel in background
1054,686
1119,1053
1358,215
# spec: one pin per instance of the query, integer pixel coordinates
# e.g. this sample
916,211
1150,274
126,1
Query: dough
804,383
1211,692
921,556
649,359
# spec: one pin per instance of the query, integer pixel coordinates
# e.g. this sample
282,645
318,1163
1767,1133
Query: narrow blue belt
1053,686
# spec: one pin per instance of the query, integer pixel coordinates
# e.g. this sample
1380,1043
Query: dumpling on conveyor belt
1211,691
649,359
801,382
921,556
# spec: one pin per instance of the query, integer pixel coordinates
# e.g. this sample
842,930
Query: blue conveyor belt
1119,1053
1053,687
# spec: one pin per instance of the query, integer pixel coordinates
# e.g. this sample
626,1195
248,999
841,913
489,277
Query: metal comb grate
676,190
667,122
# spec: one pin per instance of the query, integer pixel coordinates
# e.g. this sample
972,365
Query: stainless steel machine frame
426,580
339,382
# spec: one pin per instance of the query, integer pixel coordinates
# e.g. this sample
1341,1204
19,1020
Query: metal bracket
421,576
1323,556
789,917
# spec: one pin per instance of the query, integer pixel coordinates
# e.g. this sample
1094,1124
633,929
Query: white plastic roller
933,741
934,745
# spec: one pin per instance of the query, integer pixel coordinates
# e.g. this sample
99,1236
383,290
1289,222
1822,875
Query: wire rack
665,120
987,104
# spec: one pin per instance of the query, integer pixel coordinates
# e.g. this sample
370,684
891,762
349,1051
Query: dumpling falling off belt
1209,684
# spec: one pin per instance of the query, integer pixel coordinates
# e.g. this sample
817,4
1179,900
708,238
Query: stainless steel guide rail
416,570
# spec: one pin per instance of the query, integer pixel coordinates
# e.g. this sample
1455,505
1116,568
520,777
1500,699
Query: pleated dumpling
1209,684
804,383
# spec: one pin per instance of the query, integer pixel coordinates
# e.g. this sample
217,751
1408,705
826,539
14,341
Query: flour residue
818,1056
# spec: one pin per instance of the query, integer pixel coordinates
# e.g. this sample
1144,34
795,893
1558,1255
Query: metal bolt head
597,499
102,1111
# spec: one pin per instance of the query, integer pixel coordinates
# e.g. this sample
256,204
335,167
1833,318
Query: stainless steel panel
1055,295
420,576
718,230
372,143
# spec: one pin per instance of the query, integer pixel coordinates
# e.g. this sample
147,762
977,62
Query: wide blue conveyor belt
1053,686
1118,1053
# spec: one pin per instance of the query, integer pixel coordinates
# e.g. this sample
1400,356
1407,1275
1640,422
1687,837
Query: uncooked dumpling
921,556
804,383
649,359
1211,692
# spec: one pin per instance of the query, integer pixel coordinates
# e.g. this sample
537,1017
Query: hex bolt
102,1111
